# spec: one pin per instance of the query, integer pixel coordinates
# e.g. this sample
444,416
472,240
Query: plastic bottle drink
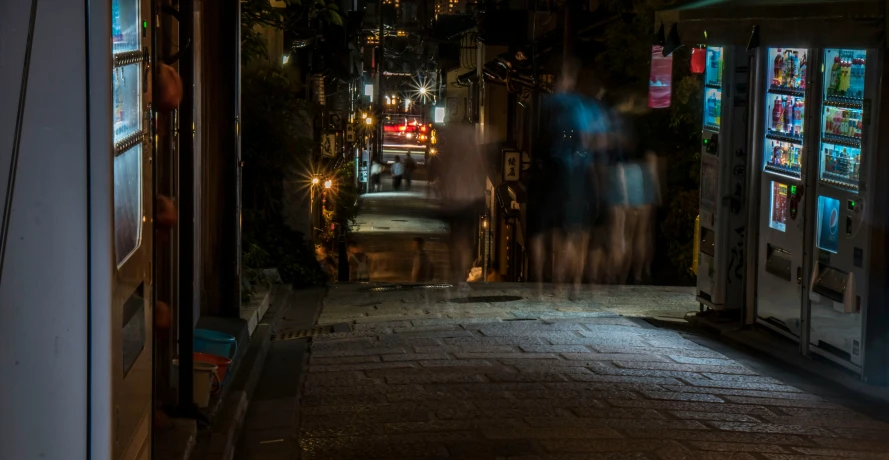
803,68
834,76
794,81
778,116
788,115
797,117
778,68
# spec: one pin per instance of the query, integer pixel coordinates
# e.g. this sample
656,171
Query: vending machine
838,287
131,335
781,254
720,269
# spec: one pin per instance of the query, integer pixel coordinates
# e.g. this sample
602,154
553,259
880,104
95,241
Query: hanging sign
328,145
511,166
698,59
661,79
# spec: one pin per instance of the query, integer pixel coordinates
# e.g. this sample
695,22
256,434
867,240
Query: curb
786,353
222,440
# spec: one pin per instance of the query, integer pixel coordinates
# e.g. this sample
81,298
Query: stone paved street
487,377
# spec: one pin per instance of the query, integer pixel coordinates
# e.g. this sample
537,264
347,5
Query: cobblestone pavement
425,376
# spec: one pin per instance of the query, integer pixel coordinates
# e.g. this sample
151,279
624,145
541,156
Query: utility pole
380,59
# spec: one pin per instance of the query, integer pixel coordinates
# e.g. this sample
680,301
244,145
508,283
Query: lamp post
315,182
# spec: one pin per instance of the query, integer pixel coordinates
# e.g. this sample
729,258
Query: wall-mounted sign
328,145
512,166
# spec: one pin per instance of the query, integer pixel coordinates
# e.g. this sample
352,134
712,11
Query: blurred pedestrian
376,173
422,270
432,176
327,262
462,188
563,182
397,173
359,263
409,166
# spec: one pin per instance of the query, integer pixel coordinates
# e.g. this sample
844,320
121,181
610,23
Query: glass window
842,118
127,202
125,27
786,105
127,84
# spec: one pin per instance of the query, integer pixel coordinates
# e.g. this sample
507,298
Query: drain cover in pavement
320,330
486,299
406,287
399,220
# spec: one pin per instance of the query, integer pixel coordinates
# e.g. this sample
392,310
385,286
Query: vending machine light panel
785,102
713,89
827,237
842,118
778,213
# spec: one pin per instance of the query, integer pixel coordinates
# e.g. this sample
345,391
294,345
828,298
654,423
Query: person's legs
630,229
616,246
641,243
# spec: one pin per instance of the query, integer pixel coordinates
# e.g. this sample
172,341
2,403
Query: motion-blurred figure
376,173
397,173
359,263
462,188
409,167
422,270
563,181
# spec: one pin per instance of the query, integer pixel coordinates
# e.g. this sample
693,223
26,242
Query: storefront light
439,115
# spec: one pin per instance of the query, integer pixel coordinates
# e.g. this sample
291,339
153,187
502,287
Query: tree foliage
273,137
305,18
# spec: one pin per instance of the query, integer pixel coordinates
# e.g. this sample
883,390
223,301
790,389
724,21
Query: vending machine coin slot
848,225
779,262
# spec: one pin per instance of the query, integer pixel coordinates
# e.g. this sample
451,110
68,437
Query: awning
786,23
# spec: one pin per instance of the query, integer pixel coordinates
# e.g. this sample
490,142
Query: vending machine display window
778,208
127,202
713,89
125,27
786,104
828,234
841,119
127,83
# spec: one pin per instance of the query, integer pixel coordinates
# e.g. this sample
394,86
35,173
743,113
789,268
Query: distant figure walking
423,269
359,263
397,173
376,172
409,166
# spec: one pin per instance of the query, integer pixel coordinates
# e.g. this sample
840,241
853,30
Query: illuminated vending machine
838,288
131,335
779,293
720,275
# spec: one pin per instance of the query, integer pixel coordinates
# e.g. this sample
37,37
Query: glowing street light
328,183
369,120
315,181
423,90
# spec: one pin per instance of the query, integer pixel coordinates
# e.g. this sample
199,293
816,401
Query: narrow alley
390,220
503,372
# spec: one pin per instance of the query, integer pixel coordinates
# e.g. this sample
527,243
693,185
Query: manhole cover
486,299
319,330
406,287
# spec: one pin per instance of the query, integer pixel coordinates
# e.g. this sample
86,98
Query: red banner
661,80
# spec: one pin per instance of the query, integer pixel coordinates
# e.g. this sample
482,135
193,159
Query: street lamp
423,90
328,183
315,181
369,120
